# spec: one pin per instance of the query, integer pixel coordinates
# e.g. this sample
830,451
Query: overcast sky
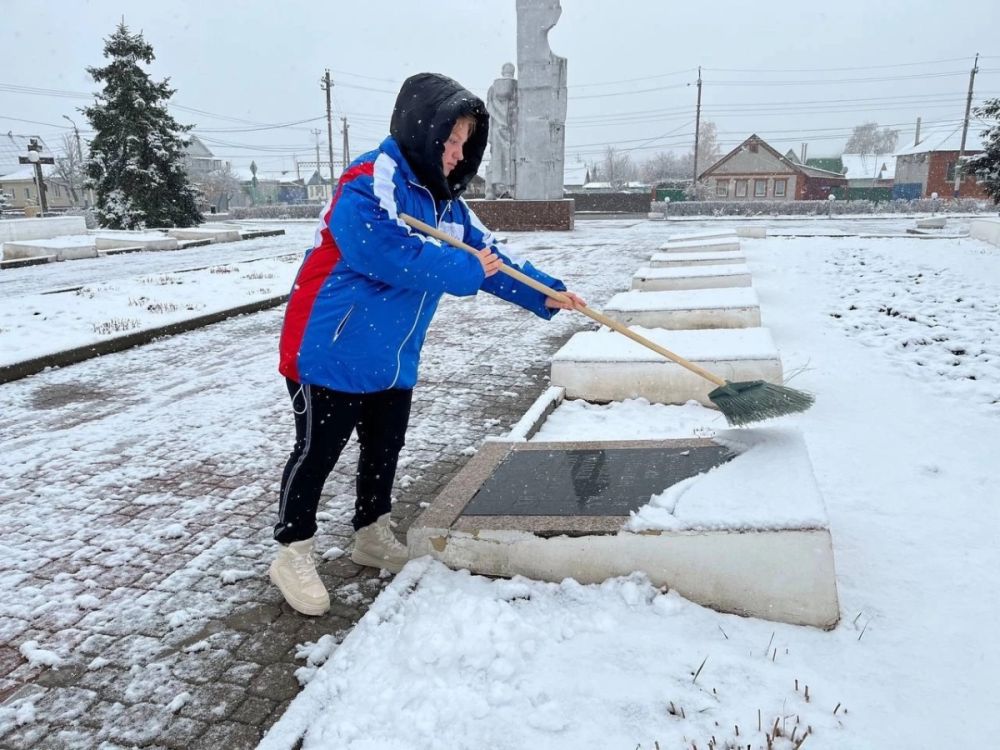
789,71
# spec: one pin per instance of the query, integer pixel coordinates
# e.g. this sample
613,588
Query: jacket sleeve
374,242
504,286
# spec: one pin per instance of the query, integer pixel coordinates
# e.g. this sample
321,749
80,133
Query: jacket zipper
399,352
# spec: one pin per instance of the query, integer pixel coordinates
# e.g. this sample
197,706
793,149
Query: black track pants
324,421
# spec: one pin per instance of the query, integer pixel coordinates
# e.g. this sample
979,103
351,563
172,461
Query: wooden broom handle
550,292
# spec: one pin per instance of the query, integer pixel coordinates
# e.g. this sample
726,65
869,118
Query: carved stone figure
541,94
501,102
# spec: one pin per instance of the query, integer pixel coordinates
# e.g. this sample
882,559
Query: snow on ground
902,444
39,324
902,447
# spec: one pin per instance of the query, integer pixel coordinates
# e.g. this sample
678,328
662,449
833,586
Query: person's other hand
490,260
571,301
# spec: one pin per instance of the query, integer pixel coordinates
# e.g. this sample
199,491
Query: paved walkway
138,494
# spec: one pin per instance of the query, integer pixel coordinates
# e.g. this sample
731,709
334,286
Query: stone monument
541,123
501,102
527,132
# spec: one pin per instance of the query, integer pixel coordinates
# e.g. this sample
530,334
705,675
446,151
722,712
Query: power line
833,70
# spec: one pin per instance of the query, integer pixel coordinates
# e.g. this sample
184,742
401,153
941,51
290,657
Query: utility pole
347,148
697,133
965,127
328,85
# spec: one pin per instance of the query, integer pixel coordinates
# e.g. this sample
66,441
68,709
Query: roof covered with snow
869,166
946,140
13,146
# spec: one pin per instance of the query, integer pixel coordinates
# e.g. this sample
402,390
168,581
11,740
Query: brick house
928,167
755,171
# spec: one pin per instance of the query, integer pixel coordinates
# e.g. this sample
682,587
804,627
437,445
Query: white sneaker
377,547
294,572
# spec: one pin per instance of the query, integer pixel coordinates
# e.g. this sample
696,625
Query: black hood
426,110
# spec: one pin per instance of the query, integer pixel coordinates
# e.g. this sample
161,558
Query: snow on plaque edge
769,486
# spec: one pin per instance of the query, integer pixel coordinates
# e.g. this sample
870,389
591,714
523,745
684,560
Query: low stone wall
612,203
525,216
817,208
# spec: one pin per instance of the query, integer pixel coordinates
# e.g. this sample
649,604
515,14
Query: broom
741,403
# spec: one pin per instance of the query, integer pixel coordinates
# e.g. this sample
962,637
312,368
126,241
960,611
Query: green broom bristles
756,400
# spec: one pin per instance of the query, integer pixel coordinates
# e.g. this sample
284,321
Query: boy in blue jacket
359,311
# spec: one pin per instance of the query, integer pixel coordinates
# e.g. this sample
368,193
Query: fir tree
135,163
986,166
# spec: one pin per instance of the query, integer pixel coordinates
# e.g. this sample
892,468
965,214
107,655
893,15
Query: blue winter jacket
364,297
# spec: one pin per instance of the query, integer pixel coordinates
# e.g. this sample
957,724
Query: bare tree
616,167
708,147
219,187
69,168
665,165
868,139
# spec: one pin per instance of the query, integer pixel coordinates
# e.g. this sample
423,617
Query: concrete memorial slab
691,277
670,260
705,234
69,247
711,244
705,517
987,230
17,230
735,307
108,239
606,366
213,232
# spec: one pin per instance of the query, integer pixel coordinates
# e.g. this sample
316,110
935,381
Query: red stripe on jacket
323,258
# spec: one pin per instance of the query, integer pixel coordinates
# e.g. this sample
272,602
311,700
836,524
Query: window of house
27,193
741,188
722,188
779,188
951,171
760,188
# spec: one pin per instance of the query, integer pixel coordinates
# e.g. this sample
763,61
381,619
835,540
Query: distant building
317,188
869,170
17,180
928,167
755,171
199,161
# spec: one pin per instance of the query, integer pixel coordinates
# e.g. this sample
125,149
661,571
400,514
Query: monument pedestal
505,215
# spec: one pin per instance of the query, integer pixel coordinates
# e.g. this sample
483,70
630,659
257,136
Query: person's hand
490,260
572,302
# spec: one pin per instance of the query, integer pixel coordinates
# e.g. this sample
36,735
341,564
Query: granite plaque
576,482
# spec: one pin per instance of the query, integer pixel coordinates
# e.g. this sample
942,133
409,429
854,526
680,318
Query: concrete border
786,575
